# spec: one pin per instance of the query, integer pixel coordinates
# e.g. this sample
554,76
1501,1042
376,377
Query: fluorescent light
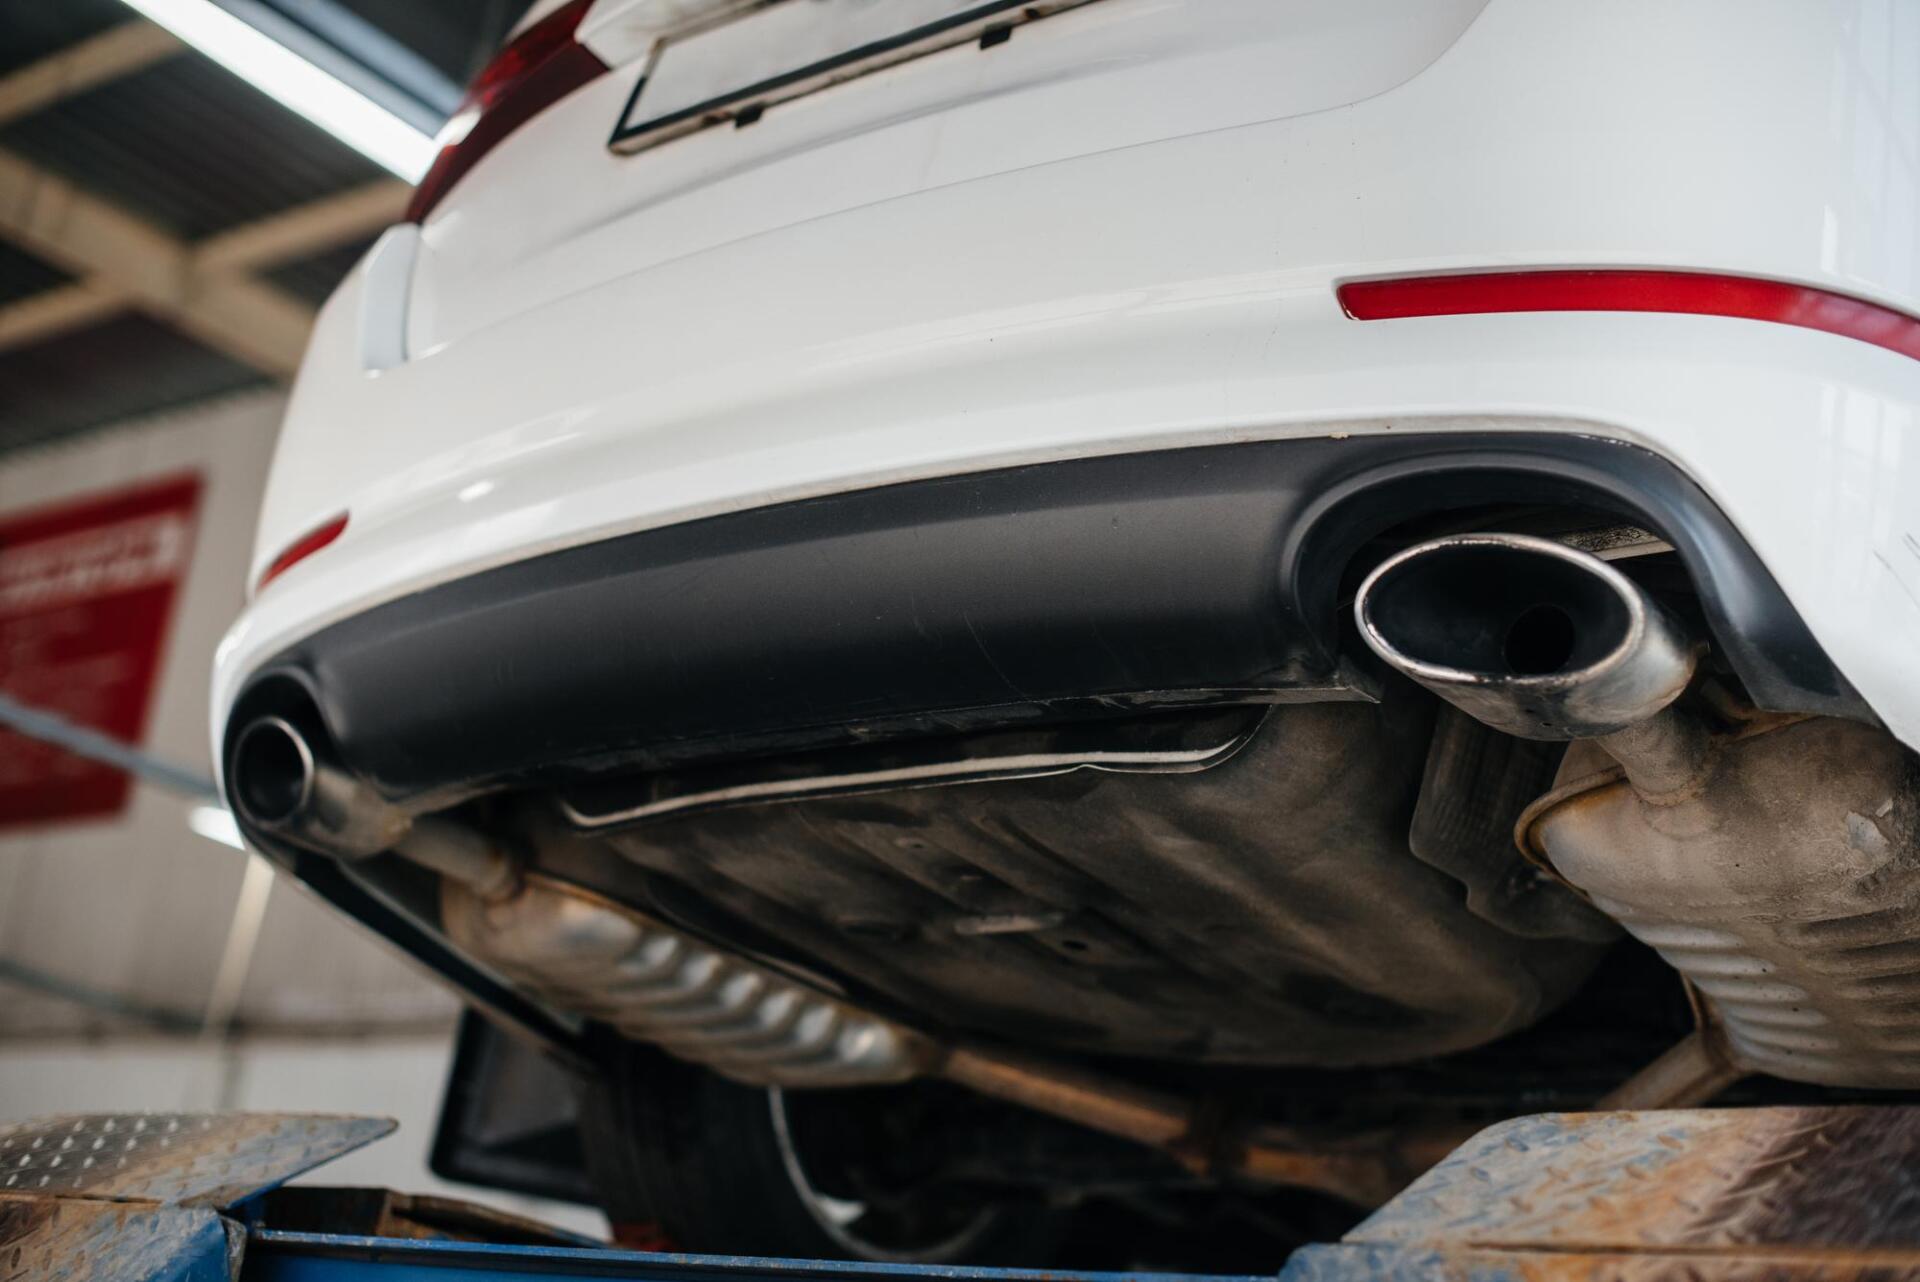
215,823
285,76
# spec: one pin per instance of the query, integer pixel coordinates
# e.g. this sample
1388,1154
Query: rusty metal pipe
1098,1104
591,955
1363,1173
597,957
1690,1073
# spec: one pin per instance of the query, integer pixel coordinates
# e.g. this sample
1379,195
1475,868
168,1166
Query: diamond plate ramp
1774,1193
136,1195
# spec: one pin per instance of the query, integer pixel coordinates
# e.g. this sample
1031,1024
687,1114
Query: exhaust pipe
1533,637
589,955
280,785
1773,859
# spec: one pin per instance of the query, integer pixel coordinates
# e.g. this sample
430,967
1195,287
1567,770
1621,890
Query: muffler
648,980
1773,860
748,1021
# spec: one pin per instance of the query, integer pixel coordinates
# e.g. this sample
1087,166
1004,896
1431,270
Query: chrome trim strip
933,774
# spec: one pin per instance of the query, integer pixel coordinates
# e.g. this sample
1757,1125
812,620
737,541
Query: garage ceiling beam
57,311
108,247
306,230
118,51
205,287
280,238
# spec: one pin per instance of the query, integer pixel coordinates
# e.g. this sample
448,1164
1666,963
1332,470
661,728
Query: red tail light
539,67
1633,290
302,548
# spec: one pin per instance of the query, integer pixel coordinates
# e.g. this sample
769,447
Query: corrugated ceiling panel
22,275
189,147
456,36
313,279
32,29
86,378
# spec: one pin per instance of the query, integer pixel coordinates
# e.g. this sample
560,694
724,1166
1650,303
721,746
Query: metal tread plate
77,1240
1713,1195
173,1159
1779,1193
114,1196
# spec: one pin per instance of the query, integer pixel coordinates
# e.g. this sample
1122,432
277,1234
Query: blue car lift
1726,1195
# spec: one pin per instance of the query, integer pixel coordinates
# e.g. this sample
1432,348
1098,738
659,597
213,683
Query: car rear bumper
1171,295
1065,590
1807,444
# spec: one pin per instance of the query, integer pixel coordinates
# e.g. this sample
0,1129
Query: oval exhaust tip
1530,636
273,773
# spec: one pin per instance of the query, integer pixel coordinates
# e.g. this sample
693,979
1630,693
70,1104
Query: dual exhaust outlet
1532,637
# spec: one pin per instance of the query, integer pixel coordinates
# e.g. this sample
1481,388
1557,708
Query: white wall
139,905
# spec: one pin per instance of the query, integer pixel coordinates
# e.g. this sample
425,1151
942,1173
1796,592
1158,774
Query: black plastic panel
994,598
508,1118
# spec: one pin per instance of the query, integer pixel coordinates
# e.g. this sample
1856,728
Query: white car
1121,598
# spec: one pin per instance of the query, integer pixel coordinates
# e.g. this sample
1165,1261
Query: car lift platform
1712,1195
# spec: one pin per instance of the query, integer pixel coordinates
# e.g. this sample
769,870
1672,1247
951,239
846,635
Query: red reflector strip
1693,293
302,548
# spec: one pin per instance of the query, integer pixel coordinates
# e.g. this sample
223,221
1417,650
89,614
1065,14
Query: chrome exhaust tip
273,774
280,784
1530,636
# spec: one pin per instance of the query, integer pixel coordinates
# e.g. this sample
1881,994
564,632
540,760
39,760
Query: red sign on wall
86,593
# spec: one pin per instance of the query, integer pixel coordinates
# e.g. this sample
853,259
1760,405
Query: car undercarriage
1300,925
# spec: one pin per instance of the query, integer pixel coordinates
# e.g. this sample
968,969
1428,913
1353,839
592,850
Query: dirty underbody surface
1338,888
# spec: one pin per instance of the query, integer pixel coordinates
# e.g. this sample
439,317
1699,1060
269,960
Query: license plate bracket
736,70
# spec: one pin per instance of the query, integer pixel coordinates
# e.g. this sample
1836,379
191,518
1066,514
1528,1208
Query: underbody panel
1265,910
